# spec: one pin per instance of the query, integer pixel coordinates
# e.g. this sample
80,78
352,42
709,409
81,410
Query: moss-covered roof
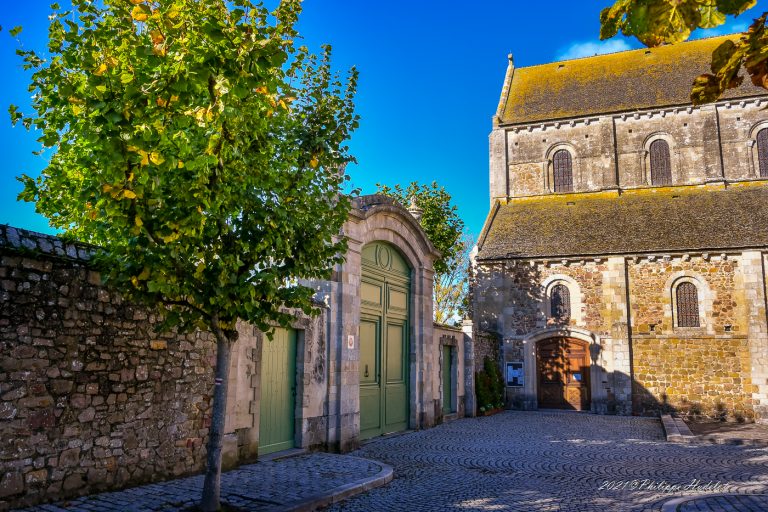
671,219
617,82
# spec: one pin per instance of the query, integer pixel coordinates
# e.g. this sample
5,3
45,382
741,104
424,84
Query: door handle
366,371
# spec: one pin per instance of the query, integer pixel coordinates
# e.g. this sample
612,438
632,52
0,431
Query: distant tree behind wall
445,229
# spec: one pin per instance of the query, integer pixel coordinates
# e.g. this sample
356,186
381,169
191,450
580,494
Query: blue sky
430,78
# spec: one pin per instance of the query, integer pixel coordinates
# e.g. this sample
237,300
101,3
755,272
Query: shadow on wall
510,299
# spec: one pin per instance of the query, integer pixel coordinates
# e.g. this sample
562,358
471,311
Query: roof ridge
645,48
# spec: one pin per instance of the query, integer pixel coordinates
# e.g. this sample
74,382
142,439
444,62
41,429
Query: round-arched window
562,164
661,168
687,298
560,302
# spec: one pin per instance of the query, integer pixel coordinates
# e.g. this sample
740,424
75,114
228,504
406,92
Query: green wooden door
278,392
384,341
448,384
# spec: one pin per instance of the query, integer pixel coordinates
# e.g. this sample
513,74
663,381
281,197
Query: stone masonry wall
486,345
699,371
711,371
90,397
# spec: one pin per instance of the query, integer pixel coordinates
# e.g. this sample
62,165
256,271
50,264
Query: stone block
11,483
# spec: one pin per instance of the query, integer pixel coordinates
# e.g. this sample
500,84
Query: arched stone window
762,152
687,299
660,164
562,165
560,302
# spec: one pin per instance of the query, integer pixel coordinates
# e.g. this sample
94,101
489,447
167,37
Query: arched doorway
384,340
563,373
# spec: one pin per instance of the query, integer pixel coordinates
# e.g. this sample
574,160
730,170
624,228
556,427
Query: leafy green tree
198,146
445,229
451,288
656,22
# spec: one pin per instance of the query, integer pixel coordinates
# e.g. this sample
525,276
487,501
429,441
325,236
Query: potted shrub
489,389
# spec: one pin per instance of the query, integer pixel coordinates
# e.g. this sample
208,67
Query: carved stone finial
414,209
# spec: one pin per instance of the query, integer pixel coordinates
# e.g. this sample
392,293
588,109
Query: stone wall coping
445,327
23,240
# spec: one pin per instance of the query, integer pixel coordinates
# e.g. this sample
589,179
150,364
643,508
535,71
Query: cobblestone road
550,461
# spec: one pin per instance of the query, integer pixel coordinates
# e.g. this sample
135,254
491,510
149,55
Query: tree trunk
212,485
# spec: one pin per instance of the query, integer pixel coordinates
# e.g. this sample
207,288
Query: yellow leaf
106,188
282,104
100,69
135,281
133,149
314,162
130,176
170,238
129,194
137,2
173,13
157,36
174,97
262,90
138,222
156,158
144,157
180,165
144,274
161,102
76,110
159,49
139,14
92,214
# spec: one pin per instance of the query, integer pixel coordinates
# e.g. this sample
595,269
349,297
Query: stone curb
383,477
674,504
677,431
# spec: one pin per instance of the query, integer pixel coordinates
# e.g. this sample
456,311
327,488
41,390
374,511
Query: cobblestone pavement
758,503
551,461
255,487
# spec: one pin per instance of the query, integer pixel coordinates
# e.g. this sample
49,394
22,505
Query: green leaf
711,17
734,7
15,31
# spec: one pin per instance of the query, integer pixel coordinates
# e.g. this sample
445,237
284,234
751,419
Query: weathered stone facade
620,244
91,398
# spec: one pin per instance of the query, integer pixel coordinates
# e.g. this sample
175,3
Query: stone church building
623,262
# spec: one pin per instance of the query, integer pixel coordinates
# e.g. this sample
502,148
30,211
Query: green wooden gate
278,392
448,381
384,341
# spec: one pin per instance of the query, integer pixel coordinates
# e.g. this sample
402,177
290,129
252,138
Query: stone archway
585,342
379,220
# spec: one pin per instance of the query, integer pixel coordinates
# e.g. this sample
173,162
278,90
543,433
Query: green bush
489,386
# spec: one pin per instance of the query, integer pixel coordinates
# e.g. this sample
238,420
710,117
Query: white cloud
588,49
